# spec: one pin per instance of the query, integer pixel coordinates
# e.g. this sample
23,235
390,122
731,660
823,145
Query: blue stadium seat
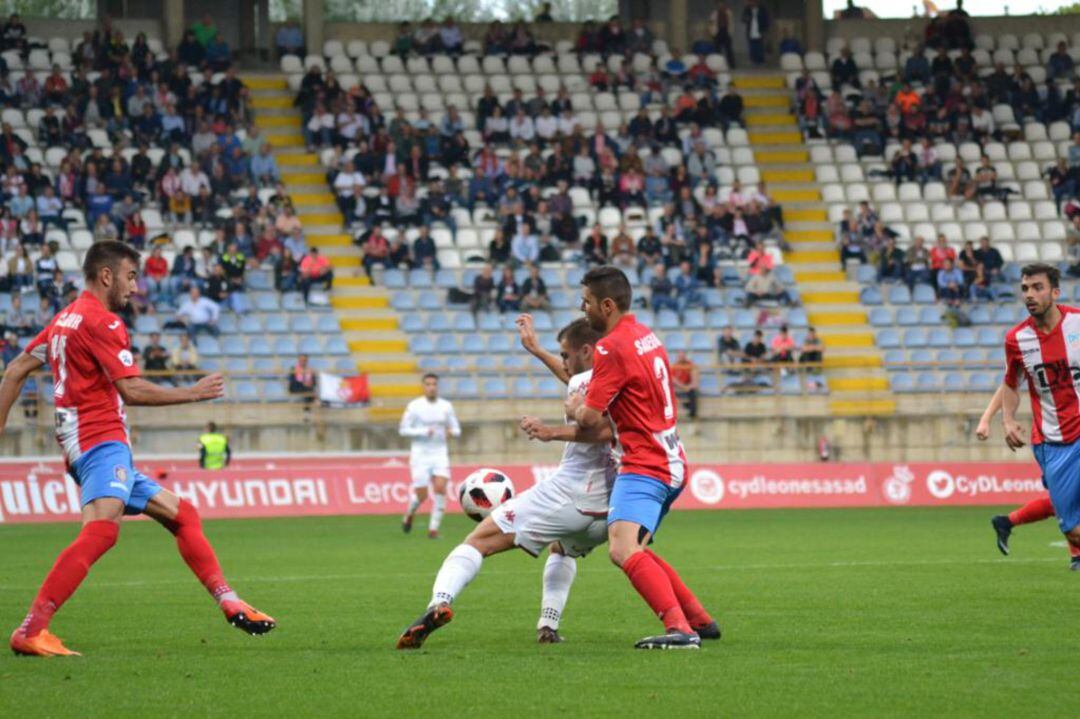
979,315
549,388
293,302
949,355
496,389
713,297
233,346
907,316
632,275
927,382
437,322
412,323
675,342
487,363
730,277
982,382
646,317
991,337
930,316
499,344
277,324
899,295
667,320
915,337
421,345
431,301
790,385
467,388
259,347
735,298
701,342
964,337
922,358
259,280
970,356
489,322
1011,272
265,301
250,325
327,323
420,279
954,382
236,365
446,279
924,295
517,361
5,302
310,346
264,365
524,388
865,275
798,318
893,358
870,296
403,301
718,319
880,317
784,275
553,277
449,344
561,299
463,322
336,346
1006,315
709,385
940,337
319,364
246,392
694,319
887,339
902,382
574,276
286,346
745,319
345,365
542,321
211,364
208,346
274,391
302,324
454,364
144,324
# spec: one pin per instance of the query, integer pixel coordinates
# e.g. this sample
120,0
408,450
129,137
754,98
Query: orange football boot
42,644
247,618
414,635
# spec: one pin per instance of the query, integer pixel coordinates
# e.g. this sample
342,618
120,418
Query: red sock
69,571
652,583
196,549
1034,511
695,613
1074,551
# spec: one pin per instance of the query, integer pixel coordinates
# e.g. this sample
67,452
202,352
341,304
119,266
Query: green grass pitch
892,612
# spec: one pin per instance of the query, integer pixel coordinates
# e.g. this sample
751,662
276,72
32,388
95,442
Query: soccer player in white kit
566,511
428,421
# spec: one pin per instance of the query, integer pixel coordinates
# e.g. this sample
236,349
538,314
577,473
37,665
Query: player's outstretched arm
531,343
983,430
535,428
13,380
139,392
1010,400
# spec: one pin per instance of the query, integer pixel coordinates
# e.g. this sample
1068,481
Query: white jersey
587,469
428,424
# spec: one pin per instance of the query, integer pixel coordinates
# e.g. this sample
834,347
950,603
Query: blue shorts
107,471
641,500
1061,474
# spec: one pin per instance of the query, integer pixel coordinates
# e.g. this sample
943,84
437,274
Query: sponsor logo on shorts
121,473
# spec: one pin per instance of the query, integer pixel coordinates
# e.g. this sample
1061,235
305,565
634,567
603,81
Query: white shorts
547,513
422,472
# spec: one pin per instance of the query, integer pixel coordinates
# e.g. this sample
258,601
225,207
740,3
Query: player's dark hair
609,283
578,334
211,427
430,375
108,253
1052,273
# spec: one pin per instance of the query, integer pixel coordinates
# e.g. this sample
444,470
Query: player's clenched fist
534,428
982,432
212,386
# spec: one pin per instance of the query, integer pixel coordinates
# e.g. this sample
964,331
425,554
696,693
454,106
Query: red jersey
632,382
88,349
1051,364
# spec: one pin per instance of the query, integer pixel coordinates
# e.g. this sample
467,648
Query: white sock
559,573
438,507
414,504
458,569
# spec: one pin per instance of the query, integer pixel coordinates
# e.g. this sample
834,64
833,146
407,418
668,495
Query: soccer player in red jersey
95,375
632,384
1045,348
1034,511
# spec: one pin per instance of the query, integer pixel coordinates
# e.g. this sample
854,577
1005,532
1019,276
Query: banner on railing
304,485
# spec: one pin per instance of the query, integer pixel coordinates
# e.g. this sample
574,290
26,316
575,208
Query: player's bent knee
488,539
1073,535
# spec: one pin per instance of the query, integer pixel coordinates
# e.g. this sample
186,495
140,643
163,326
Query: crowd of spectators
164,136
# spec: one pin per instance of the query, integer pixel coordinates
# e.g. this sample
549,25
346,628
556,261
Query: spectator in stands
302,379
450,37
765,287
844,71
980,287
728,350
958,181
782,346
755,351
721,23
289,39
950,283
686,379
917,261
917,67
866,130
483,289
198,314
595,247
662,290
852,244
1062,182
315,269
927,162
156,274
756,20
264,168
204,29
534,294
508,292
156,359
941,253
286,271
984,185
687,288
813,349
990,259
1060,64
525,247
891,266
424,252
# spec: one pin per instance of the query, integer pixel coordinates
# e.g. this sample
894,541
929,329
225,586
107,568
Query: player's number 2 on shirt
59,356
661,372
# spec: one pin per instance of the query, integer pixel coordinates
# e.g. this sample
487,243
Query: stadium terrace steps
854,367
368,322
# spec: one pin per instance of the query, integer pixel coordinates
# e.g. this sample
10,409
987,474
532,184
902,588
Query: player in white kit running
566,511
428,421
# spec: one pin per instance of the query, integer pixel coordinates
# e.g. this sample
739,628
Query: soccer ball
484,490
